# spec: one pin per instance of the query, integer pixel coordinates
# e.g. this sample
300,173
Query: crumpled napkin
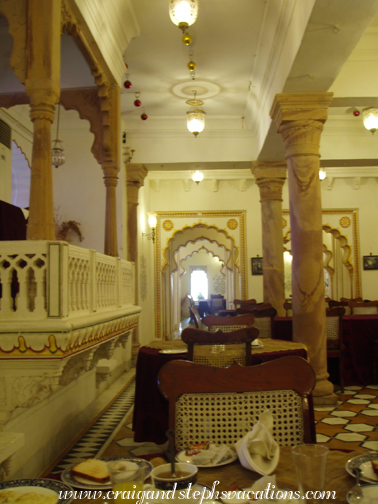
259,487
257,450
213,455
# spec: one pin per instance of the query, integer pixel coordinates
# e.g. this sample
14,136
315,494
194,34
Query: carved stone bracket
15,12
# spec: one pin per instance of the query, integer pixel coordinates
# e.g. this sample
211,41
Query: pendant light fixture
195,118
183,13
370,118
57,153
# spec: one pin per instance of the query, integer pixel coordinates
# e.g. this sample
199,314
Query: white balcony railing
43,280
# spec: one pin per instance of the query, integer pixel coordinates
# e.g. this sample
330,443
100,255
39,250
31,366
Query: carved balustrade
62,310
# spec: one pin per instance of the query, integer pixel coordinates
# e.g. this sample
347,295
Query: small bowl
161,479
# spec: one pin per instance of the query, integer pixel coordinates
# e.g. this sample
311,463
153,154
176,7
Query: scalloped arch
192,234
196,249
16,15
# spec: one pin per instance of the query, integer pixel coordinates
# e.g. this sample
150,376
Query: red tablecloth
359,332
150,420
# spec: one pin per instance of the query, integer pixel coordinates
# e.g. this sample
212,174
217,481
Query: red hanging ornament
137,103
356,113
127,84
144,116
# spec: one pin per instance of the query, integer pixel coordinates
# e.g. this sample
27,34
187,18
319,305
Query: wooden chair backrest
229,323
242,394
246,304
363,308
196,317
220,349
264,320
334,326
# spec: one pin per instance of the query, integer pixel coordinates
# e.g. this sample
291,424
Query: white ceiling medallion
203,89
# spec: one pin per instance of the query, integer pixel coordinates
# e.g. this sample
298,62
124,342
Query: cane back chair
228,323
221,405
220,349
264,316
335,343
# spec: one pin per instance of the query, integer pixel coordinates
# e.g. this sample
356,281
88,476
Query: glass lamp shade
57,154
183,13
197,176
322,174
195,121
152,221
370,118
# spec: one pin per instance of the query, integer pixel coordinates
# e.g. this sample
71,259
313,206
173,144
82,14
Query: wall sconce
322,174
152,223
197,176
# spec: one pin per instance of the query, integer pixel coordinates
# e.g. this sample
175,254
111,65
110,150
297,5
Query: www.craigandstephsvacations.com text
139,497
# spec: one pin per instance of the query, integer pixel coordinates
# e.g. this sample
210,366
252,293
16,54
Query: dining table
150,417
337,479
359,335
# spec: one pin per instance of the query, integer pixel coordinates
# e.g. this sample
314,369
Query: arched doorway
223,238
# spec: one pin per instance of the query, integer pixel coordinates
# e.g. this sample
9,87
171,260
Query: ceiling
245,51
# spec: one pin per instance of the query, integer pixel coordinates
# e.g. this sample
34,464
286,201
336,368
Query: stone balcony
66,316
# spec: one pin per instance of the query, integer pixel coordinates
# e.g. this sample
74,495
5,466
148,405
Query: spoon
170,433
356,491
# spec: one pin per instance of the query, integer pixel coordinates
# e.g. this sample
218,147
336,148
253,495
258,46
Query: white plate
174,351
257,342
370,495
182,457
77,482
358,462
40,486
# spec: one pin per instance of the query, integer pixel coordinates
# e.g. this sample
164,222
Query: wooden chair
217,302
264,320
344,303
229,323
220,349
288,308
221,405
195,316
245,304
335,343
364,308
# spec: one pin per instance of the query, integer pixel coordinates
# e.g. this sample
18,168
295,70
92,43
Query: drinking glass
127,478
310,464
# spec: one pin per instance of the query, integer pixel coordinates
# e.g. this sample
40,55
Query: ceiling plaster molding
214,175
172,134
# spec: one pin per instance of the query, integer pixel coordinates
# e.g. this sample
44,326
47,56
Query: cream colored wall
78,186
229,196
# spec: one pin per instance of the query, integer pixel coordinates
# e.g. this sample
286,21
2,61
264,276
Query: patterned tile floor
351,424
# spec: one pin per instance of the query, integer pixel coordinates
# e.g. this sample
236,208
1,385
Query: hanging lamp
57,153
195,117
370,118
183,13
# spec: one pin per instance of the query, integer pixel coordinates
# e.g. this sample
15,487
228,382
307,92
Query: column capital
270,177
135,174
110,171
300,107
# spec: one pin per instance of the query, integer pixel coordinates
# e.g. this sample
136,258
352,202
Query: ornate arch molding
347,219
197,247
198,232
15,12
105,106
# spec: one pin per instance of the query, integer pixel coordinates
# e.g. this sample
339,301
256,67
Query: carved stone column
135,175
43,86
299,119
110,107
270,177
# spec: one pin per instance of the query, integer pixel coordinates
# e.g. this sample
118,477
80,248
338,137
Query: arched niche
181,233
338,267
